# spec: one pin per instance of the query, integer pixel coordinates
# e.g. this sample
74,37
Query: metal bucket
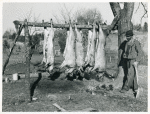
15,76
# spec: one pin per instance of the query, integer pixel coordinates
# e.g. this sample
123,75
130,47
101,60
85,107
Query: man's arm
139,51
120,51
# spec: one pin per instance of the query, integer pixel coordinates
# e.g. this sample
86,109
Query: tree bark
115,7
124,24
28,57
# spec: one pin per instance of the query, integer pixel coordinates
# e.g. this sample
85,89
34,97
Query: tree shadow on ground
47,86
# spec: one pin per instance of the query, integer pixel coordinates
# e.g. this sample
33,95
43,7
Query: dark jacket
132,50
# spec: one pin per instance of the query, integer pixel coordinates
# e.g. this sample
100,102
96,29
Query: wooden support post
43,23
16,38
27,74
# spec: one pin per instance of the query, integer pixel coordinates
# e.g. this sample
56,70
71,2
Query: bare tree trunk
28,57
115,7
124,24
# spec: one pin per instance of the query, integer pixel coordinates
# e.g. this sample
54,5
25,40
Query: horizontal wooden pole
46,24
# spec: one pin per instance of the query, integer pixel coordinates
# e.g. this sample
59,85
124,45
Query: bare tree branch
28,16
144,9
94,13
68,12
144,6
56,17
65,13
137,7
35,19
142,17
79,13
144,13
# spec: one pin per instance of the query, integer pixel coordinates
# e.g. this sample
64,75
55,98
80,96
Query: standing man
131,55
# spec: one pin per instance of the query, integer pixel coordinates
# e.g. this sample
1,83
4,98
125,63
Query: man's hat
129,33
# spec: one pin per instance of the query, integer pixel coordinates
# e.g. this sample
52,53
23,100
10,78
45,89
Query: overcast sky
18,11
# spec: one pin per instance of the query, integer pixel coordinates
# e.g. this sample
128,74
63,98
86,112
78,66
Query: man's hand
124,55
135,63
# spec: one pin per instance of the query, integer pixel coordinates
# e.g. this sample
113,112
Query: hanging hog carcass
46,35
79,48
100,58
66,43
49,49
88,46
79,51
90,57
69,54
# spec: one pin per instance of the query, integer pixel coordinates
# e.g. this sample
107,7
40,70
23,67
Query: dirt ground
72,96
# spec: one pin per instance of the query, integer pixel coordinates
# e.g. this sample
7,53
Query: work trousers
130,78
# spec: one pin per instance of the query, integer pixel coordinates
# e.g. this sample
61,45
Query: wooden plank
27,74
83,110
60,108
16,38
47,24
